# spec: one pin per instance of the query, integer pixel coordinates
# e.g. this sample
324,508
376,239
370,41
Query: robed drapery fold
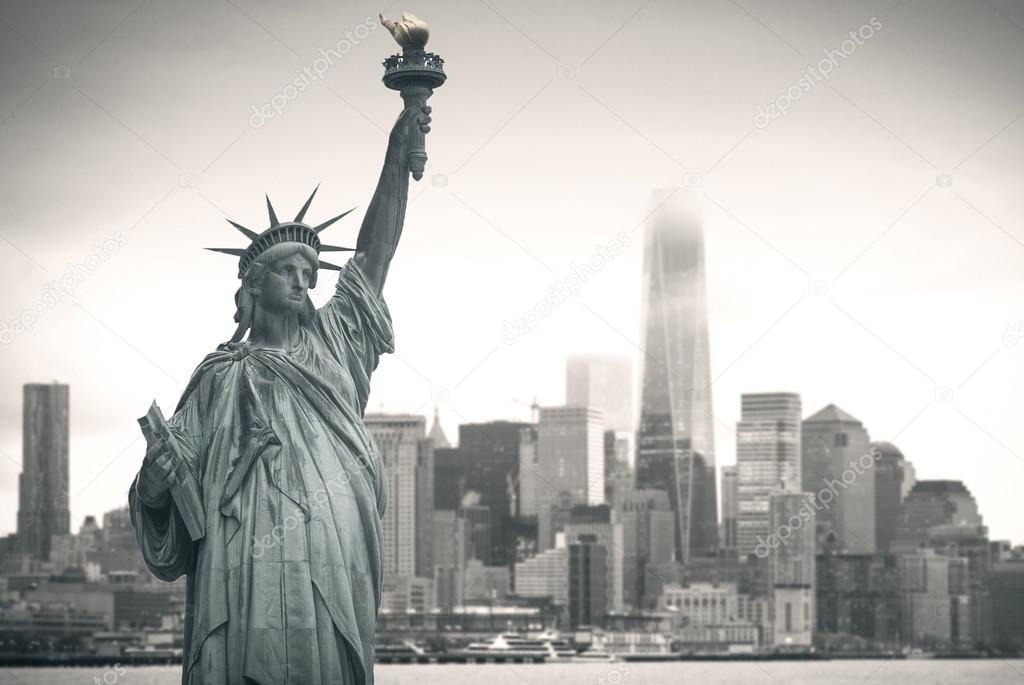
285,585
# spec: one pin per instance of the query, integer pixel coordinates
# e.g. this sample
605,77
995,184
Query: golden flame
409,32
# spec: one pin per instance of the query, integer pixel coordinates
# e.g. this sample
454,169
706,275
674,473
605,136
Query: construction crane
534,408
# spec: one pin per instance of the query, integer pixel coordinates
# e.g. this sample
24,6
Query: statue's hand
156,475
401,133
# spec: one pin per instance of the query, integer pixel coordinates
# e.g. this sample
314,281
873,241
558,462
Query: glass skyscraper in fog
675,441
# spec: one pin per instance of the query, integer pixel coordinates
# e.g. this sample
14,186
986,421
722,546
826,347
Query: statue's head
279,267
281,277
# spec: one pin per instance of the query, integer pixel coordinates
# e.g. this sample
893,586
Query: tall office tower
730,508
618,474
400,440
617,446
492,452
424,507
892,473
964,605
648,531
608,534
675,441
570,457
767,460
588,573
474,530
936,510
792,567
837,458
43,484
605,382
528,473
451,473
1005,606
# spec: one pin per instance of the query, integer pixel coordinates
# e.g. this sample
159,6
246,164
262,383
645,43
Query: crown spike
234,251
328,265
302,212
331,221
336,248
273,216
250,234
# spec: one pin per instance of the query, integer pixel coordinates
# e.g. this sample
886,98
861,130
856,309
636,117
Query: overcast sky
865,249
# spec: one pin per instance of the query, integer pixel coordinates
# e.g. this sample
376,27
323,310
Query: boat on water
152,652
560,648
594,655
399,651
513,645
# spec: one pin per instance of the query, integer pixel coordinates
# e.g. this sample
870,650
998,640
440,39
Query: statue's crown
294,231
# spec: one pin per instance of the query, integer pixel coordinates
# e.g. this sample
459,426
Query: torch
415,74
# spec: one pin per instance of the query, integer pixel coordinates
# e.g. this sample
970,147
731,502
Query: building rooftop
831,414
940,487
888,449
437,432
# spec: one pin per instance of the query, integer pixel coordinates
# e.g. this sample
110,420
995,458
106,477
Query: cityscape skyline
553,517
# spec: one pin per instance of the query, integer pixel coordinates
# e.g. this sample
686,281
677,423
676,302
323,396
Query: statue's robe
285,585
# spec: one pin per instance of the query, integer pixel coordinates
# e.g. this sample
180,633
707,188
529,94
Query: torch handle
415,97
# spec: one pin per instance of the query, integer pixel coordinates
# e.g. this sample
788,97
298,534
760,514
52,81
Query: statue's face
285,283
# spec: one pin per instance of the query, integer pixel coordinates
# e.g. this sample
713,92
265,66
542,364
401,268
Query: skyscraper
894,476
648,529
451,472
588,594
492,453
605,382
730,509
607,534
932,504
859,594
767,460
926,598
836,454
1006,605
792,567
675,441
43,484
528,473
570,457
407,455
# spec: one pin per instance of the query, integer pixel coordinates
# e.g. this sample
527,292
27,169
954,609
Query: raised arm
385,216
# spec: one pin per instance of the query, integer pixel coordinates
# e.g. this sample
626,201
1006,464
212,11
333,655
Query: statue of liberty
264,487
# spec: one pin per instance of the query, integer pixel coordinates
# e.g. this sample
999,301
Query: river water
912,672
